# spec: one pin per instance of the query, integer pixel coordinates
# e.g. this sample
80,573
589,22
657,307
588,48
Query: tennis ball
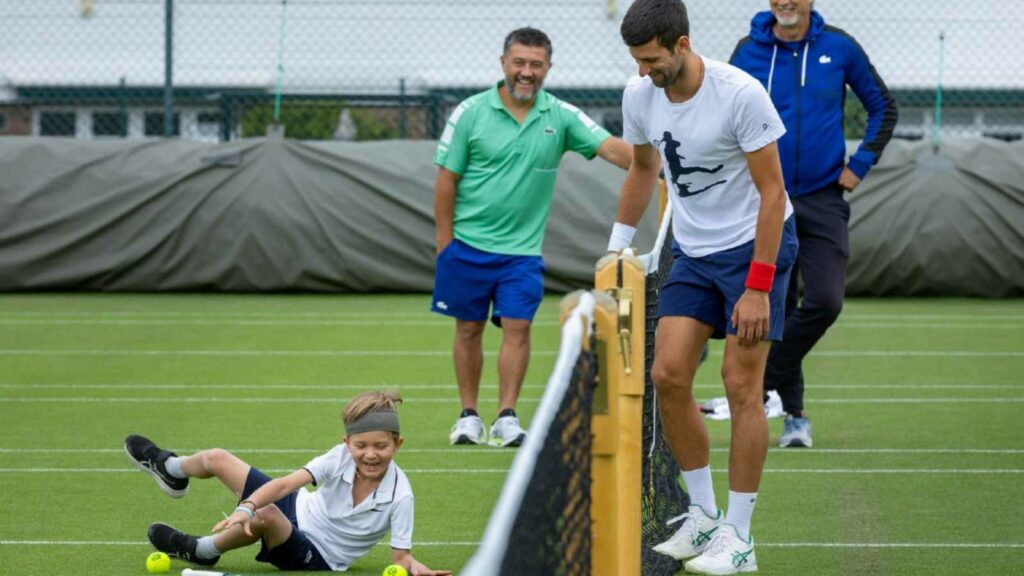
394,570
158,563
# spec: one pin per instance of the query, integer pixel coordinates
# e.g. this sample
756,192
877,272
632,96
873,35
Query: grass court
918,411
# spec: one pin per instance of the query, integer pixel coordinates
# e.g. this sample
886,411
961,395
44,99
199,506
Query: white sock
741,508
205,548
173,467
702,492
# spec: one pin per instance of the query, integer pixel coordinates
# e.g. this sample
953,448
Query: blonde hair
362,404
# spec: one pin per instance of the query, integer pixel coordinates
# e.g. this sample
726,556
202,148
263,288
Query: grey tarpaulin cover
270,214
262,214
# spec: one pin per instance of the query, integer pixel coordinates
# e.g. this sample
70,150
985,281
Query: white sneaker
468,430
506,431
693,536
726,554
773,406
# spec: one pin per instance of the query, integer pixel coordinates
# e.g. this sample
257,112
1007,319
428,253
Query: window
57,124
110,124
3,121
155,124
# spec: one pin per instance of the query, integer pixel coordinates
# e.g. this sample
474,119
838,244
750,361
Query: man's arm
635,196
616,151
751,313
444,207
880,105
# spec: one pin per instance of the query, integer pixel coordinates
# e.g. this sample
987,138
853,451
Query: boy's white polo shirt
343,533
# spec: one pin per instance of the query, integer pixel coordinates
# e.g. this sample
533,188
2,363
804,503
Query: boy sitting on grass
361,495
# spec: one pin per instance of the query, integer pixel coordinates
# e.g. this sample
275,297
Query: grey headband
377,421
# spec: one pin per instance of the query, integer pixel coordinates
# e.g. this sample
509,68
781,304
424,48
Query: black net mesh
551,533
662,497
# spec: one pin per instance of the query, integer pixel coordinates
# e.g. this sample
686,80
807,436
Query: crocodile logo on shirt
679,173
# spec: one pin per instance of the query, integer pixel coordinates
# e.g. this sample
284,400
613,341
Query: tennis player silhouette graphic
678,171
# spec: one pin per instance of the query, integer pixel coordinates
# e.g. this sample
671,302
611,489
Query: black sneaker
150,458
176,544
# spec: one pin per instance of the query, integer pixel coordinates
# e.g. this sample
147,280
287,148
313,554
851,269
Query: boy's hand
416,568
238,517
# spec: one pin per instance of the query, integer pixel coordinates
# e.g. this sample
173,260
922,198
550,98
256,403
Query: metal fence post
168,68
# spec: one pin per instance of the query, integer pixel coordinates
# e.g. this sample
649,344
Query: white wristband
621,238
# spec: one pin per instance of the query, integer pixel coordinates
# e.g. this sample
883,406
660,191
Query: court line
452,386
448,400
417,311
798,471
207,321
881,545
447,353
497,451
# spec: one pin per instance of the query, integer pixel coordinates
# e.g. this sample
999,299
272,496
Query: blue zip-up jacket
807,82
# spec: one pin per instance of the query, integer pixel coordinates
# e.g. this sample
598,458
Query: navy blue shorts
295,553
707,288
467,281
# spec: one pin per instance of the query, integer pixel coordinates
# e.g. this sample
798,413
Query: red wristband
760,276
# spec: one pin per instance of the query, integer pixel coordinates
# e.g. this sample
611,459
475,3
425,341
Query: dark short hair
645,20
528,37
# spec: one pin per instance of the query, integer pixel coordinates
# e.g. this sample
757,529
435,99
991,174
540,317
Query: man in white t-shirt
361,495
715,129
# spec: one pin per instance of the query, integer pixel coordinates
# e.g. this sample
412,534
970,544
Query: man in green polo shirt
497,163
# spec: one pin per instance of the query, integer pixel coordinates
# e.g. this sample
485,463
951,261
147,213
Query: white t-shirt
703,142
343,533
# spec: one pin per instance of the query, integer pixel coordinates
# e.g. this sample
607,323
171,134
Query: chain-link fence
372,69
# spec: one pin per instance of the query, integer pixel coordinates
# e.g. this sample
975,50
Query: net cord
495,542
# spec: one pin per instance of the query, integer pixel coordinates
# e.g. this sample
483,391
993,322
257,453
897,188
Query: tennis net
662,498
541,524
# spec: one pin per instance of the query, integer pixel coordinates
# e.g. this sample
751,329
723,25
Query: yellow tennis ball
394,570
158,563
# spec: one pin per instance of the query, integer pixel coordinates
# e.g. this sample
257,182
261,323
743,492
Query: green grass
918,408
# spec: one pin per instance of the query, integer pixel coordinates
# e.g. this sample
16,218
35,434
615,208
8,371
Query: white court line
882,545
452,386
200,400
452,400
798,471
457,451
918,325
257,387
418,322
413,312
448,353
266,470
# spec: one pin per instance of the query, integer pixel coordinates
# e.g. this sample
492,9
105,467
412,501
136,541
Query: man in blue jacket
806,66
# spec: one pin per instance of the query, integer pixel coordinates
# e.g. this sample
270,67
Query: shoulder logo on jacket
678,172
825,59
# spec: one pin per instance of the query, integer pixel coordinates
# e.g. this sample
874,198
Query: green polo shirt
507,170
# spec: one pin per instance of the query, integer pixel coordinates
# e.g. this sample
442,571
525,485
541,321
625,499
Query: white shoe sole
513,443
745,569
156,477
464,439
664,551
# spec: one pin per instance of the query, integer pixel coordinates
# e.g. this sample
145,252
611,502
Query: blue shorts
467,281
295,553
707,288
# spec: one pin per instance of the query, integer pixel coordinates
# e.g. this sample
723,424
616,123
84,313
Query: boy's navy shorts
298,551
